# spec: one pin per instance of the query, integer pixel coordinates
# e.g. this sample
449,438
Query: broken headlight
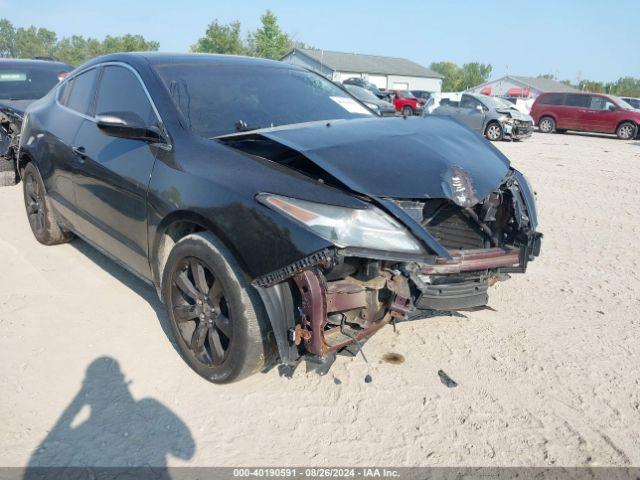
369,228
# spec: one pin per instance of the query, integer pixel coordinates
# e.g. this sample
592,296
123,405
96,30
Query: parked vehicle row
494,117
271,233
586,112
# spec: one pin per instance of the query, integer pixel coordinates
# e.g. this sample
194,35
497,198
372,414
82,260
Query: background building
525,87
384,72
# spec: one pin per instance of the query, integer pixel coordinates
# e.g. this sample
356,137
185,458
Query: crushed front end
337,297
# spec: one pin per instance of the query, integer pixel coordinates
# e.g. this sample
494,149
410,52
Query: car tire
547,125
407,111
493,132
627,131
217,319
40,213
7,172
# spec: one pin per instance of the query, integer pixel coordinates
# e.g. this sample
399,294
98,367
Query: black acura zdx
277,217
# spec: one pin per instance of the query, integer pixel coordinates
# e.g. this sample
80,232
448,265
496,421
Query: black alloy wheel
201,312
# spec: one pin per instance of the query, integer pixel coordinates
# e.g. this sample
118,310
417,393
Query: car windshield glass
361,93
405,94
223,99
495,102
622,103
27,83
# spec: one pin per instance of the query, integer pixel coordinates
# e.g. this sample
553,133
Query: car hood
16,106
415,157
515,113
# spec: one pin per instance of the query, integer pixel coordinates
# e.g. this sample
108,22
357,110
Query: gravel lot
549,377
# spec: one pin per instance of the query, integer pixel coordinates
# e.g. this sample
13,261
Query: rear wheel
39,212
547,124
407,111
493,132
627,131
217,318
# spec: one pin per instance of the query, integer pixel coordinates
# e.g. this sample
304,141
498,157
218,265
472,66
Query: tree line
269,40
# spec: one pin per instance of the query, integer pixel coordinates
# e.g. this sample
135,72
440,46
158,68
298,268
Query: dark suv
587,112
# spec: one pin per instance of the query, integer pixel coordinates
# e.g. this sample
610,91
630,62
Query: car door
604,114
112,191
471,113
576,112
73,103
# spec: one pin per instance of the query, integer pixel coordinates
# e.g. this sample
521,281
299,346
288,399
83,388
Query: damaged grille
447,223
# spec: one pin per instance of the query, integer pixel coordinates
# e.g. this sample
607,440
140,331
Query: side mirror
612,108
128,125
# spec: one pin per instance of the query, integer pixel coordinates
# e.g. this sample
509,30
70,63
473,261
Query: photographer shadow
105,431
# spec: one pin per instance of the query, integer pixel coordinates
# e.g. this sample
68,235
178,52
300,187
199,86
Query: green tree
34,42
221,39
7,38
268,41
548,76
474,73
76,50
451,73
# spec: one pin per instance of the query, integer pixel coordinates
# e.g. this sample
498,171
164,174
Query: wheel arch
628,120
171,229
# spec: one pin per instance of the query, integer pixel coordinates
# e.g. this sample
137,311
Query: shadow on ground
104,426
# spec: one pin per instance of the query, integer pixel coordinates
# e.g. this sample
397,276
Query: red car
406,103
586,112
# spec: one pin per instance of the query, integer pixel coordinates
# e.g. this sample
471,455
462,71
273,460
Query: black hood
16,106
415,157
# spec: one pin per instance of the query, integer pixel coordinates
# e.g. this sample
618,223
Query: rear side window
552,99
120,91
574,100
80,97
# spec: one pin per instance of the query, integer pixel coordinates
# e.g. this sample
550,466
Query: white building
524,87
384,72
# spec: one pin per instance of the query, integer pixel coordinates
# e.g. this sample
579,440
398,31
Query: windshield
496,102
223,99
28,82
361,93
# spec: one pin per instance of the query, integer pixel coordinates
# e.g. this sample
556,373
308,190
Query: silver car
494,117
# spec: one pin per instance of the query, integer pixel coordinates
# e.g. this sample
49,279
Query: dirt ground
88,374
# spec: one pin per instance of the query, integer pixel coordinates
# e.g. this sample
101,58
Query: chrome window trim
144,88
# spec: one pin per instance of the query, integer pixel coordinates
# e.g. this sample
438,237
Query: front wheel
39,211
627,131
493,132
407,111
547,125
217,318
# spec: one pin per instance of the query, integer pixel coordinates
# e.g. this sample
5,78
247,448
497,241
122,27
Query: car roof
162,58
28,62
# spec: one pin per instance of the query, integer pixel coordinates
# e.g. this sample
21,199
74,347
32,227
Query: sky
574,40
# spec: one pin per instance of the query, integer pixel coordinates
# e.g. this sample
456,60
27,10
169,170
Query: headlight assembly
369,228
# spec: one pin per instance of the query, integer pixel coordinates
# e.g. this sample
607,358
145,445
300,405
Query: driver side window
469,102
120,92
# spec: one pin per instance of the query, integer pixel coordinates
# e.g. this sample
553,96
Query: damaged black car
277,217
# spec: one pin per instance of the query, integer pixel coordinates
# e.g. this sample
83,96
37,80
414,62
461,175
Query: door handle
80,152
